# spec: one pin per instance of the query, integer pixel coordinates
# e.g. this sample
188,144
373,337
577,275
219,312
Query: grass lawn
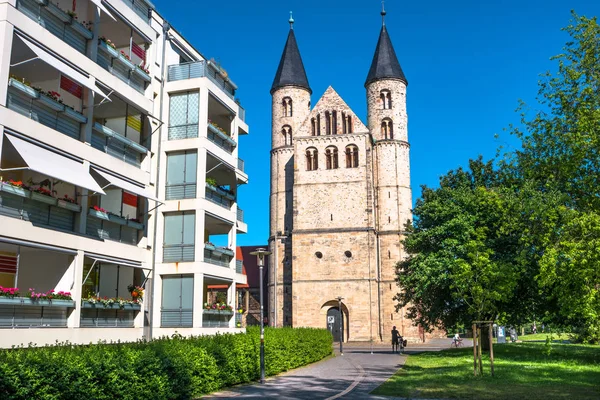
523,371
542,337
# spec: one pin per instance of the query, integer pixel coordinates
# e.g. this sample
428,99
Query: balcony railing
216,319
57,21
110,227
36,208
241,164
242,113
118,65
23,313
141,8
178,253
239,266
217,255
200,69
176,318
213,194
220,139
103,318
182,191
29,102
183,131
240,215
117,145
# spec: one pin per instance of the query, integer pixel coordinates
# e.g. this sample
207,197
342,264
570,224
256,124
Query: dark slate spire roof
385,63
291,69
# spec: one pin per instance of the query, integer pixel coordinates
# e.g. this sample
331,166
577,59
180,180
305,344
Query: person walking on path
395,339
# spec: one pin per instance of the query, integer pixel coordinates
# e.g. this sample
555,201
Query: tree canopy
519,239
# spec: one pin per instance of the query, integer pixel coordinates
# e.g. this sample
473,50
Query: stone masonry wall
397,113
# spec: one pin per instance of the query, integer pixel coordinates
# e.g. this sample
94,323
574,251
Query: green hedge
166,368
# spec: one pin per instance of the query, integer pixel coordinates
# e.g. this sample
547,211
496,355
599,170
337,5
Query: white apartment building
119,168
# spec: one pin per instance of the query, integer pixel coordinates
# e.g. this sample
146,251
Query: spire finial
291,21
383,12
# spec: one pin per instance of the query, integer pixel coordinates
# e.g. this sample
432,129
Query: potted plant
211,183
137,292
50,298
143,72
108,47
10,296
98,212
43,195
126,60
16,188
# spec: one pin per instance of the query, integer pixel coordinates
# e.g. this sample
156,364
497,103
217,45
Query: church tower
290,106
387,121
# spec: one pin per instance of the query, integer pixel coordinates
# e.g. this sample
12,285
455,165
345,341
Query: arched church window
312,159
327,123
348,124
334,122
387,129
318,124
313,126
286,131
385,96
331,157
287,106
351,156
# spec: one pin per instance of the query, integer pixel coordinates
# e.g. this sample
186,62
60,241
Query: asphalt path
352,375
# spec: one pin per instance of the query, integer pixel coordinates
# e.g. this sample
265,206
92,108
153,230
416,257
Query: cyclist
456,340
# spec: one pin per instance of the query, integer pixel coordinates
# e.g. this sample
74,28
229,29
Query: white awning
114,260
99,4
88,82
108,180
54,165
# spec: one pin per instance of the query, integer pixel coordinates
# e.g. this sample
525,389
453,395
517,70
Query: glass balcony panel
42,114
109,230
103,318
178,253
240,215
241,164
37,213
32,317
239,264
182,191
199,69
217,198
176,318
215,257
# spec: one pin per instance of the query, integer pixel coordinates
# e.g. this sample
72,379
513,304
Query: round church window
348,253
318,254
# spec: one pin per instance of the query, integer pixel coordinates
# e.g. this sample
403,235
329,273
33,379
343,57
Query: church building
339,202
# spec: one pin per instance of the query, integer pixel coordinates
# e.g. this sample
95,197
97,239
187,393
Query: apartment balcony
220,137
202,69
240,164
43,108
188,131
109,226
181,191
117,145
241,113
120,64
239,266
59,21
219,196
23,312
218,307
240,215
217,255
142,8
176,318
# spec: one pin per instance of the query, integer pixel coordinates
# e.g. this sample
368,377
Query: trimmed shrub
166,368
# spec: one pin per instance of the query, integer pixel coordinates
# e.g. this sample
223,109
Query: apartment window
351,156
181,175
177,306
387,129
331,157
312,159
183,115
179,239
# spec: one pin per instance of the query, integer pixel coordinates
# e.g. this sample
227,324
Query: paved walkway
351,376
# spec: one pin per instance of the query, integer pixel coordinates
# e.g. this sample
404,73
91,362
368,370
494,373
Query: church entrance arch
330,312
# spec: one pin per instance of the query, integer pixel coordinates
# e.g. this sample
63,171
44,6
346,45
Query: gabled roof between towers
385,63
291,69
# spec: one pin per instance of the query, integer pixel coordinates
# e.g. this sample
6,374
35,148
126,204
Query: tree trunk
485,338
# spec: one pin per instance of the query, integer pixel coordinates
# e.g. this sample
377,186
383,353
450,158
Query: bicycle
456,343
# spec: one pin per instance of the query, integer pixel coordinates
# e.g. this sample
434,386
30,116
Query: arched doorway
334,323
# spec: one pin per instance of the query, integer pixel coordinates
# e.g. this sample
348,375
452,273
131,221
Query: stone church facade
339,202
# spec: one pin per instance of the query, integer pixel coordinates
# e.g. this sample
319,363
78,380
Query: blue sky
468,62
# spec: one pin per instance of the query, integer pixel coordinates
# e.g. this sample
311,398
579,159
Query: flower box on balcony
113,306
135,225
230,196
69,206
218,312
117,220
44,198
127,63
209,246
59,13
109,50
18,191
98,214
117,136
211,187
142,74
227,252
75,115
11,301
218,251
49,303
82,30
51,103
26,90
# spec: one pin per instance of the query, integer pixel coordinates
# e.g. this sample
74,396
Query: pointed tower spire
291,69
385,64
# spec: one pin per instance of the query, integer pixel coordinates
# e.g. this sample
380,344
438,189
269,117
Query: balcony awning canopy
88,82
110,180
114,260
101,7
54,165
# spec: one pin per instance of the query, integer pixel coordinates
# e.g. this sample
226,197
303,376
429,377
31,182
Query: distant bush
166,368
